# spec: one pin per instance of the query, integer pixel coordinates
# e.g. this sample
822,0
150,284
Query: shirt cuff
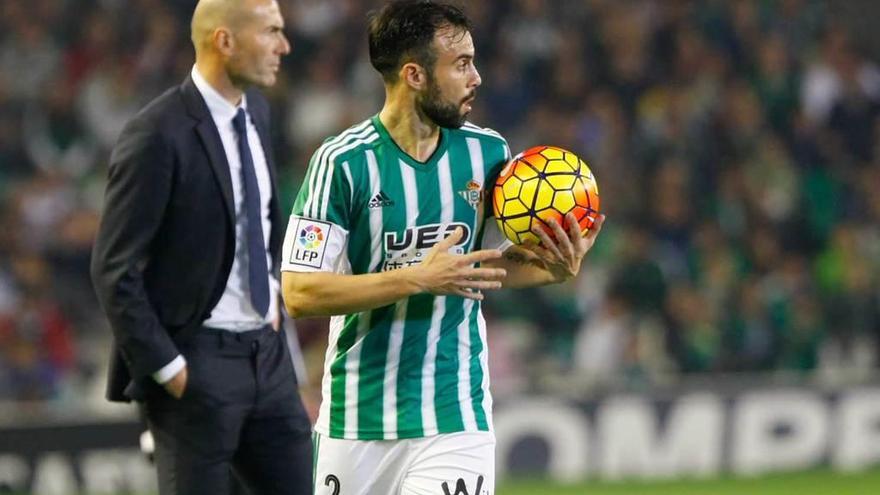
168,371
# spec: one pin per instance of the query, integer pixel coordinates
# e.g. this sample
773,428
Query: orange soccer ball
541,183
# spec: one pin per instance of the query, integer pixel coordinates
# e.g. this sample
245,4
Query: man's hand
177,385
562,257
442,273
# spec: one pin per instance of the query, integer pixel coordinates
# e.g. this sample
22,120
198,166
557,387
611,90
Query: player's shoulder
470,129
351,142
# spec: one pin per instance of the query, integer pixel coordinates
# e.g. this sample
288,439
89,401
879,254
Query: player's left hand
562,256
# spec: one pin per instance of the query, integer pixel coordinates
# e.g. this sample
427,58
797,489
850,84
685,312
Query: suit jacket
166,242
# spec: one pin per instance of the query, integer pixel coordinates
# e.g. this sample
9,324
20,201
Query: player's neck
413,131
215,75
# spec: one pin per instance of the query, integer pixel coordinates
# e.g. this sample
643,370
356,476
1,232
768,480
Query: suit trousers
240,410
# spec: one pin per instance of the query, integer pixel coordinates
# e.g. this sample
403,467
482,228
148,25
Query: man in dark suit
184,266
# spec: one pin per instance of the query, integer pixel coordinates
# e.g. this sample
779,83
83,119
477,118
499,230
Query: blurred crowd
733,143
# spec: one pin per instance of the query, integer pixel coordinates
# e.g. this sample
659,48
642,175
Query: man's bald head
212,14
239,42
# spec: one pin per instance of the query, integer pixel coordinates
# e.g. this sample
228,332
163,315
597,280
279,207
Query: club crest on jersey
472,193
311,242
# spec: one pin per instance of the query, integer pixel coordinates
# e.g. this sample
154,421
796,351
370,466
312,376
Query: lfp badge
311,237
311,242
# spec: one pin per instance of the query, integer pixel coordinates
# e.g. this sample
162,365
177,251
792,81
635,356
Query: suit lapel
210,138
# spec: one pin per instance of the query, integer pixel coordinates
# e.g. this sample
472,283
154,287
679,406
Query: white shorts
446,464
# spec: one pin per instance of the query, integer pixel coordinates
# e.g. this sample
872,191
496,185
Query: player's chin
458,123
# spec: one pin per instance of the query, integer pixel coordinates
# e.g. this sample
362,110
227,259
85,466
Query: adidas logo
380,200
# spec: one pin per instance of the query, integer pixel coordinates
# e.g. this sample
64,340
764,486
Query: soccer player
389,237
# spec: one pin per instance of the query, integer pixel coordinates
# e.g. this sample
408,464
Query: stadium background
734,144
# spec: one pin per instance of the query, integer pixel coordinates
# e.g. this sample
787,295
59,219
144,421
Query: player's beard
440,111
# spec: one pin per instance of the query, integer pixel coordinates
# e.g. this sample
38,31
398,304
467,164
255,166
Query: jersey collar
428,164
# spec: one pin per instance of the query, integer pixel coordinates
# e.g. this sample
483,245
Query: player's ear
414,75
223,41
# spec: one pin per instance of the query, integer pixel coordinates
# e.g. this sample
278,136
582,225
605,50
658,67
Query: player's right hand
442,273
177,384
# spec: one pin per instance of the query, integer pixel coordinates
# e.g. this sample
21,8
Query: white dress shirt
234,311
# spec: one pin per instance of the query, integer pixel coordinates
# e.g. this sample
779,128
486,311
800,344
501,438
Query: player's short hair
403,31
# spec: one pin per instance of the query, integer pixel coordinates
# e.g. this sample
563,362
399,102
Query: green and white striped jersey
417,367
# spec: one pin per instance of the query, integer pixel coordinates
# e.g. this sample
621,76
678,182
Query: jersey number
332,479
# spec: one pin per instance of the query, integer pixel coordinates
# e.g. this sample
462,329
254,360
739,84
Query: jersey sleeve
317,231
497,161
491,236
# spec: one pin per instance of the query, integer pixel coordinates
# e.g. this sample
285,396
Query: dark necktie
258,271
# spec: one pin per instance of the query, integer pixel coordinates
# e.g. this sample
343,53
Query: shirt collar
221,110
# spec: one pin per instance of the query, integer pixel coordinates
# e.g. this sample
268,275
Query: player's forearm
328,294
521,272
